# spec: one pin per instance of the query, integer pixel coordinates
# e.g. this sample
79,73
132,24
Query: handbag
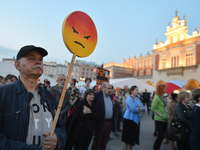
177,131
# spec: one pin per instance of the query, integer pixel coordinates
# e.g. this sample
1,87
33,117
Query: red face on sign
79,34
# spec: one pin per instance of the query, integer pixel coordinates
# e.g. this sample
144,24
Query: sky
125,28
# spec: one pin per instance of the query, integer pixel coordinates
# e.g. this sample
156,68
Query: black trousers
161,128
147,103
184,145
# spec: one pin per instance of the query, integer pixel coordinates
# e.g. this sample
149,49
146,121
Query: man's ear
17,65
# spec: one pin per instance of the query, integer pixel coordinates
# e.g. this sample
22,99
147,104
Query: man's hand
86,110
50,142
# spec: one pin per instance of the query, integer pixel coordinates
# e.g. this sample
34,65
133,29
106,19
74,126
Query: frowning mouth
79,44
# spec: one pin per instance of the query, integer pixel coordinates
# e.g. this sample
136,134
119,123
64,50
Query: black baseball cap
24,50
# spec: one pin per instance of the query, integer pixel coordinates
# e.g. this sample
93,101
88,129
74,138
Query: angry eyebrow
87,37
74,30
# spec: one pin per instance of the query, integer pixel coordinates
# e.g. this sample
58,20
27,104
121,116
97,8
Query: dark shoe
155,134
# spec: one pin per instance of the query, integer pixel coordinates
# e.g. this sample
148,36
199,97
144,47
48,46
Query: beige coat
171,109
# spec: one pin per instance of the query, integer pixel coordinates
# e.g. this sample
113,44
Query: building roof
87,63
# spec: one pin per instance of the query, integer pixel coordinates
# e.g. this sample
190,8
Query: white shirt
83,89
40,121
197,105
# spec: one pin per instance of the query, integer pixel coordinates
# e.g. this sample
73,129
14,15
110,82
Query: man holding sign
27,110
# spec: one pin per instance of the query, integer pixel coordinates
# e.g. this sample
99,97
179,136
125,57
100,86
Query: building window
87,69
175,61
163,63
83,68
189,59
86,73
91,74
141,73
94,78
91,69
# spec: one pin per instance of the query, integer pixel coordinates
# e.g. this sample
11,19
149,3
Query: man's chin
38,74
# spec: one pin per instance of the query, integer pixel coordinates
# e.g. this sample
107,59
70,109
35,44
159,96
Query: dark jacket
99,101
15,114
183,114
66,102
146,97
80,126
195,126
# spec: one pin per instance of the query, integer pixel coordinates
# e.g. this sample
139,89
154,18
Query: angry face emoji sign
79,34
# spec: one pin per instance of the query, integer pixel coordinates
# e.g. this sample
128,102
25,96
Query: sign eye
74,30
87,37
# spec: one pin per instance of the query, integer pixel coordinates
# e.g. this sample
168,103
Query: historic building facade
50,69
179,56
87,70
176,58
81,69
140,67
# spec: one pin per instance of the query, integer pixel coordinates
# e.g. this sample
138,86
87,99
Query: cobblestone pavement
146,137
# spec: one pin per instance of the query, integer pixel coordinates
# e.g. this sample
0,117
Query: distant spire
195,29
161,41
176,12
169,23
184,17
156,41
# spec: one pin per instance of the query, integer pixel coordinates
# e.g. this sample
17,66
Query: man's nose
38,61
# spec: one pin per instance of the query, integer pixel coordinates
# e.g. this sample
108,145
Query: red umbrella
174,85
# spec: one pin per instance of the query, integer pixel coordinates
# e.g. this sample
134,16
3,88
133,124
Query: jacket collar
56,88
183,106
21,88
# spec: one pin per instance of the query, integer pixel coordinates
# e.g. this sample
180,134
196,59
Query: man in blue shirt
105,123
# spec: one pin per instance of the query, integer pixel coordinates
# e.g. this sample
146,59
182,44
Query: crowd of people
176,119
28,108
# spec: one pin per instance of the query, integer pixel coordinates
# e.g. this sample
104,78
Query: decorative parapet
175,33
116,65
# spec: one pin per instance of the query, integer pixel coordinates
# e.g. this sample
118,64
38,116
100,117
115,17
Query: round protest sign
79,34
